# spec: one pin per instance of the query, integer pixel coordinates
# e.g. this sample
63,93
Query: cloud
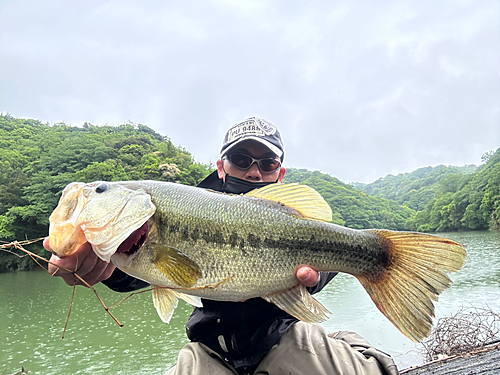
358,90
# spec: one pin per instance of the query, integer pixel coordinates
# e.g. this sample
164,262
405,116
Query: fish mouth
134,242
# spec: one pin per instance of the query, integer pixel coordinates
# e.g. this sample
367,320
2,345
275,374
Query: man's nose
253,173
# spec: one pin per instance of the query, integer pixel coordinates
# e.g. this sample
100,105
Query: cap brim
275,150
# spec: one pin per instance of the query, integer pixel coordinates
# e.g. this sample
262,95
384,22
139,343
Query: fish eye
101,188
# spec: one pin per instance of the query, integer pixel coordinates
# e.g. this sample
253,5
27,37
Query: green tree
38,160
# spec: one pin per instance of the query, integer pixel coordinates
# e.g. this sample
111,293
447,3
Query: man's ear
282,174
220,170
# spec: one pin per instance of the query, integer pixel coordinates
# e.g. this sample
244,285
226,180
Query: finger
108,271
101,271
64,267
70,279
46,244
54,267
83,262
86,263
86,268
90,268
307,276
71,262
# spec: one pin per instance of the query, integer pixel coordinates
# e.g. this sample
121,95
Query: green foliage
38,160
418,188
464,202
351,207
436,199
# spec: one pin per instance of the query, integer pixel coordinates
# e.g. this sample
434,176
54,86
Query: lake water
34,307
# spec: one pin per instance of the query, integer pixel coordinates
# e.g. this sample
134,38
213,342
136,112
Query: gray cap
257,129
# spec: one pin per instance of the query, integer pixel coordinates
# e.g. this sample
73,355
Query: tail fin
415,277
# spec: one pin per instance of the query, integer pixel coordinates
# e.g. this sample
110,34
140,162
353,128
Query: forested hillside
446,198
37,161
415,189
464,201
352,207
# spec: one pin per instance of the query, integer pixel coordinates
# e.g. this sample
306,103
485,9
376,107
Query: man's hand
84,262
307,276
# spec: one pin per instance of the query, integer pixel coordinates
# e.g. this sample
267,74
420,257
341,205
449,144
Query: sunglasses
244,161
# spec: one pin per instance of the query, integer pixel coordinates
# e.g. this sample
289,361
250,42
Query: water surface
34,307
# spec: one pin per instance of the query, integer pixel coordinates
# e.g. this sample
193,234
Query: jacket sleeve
119,281
324,278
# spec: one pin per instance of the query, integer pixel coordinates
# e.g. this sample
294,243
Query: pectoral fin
176,265
300,304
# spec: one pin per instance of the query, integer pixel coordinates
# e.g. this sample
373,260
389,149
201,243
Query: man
252,336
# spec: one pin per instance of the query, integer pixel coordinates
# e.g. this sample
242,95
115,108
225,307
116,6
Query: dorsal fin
302,198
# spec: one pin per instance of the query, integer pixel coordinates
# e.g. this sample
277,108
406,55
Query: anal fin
299,303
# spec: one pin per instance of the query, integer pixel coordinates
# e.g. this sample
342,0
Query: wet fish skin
84,214
271,244
217,246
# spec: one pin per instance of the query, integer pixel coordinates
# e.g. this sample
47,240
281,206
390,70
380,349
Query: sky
358,89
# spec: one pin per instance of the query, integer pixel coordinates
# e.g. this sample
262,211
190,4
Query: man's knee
196,358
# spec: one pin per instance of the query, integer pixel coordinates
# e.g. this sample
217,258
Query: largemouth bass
189,243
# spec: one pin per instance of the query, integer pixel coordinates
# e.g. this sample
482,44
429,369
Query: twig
130,295
463,332
69,311
18,245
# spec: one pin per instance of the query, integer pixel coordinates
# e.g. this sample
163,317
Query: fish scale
206,244
293,234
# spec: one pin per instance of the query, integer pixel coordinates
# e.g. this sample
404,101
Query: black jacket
241,332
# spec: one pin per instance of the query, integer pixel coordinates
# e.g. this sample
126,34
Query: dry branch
19,246
467,330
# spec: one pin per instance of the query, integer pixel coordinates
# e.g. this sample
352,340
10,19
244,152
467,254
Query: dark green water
34,306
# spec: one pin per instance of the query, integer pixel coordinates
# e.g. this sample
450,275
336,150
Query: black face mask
233,185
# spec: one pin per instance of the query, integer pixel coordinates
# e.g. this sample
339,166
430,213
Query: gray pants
303,349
